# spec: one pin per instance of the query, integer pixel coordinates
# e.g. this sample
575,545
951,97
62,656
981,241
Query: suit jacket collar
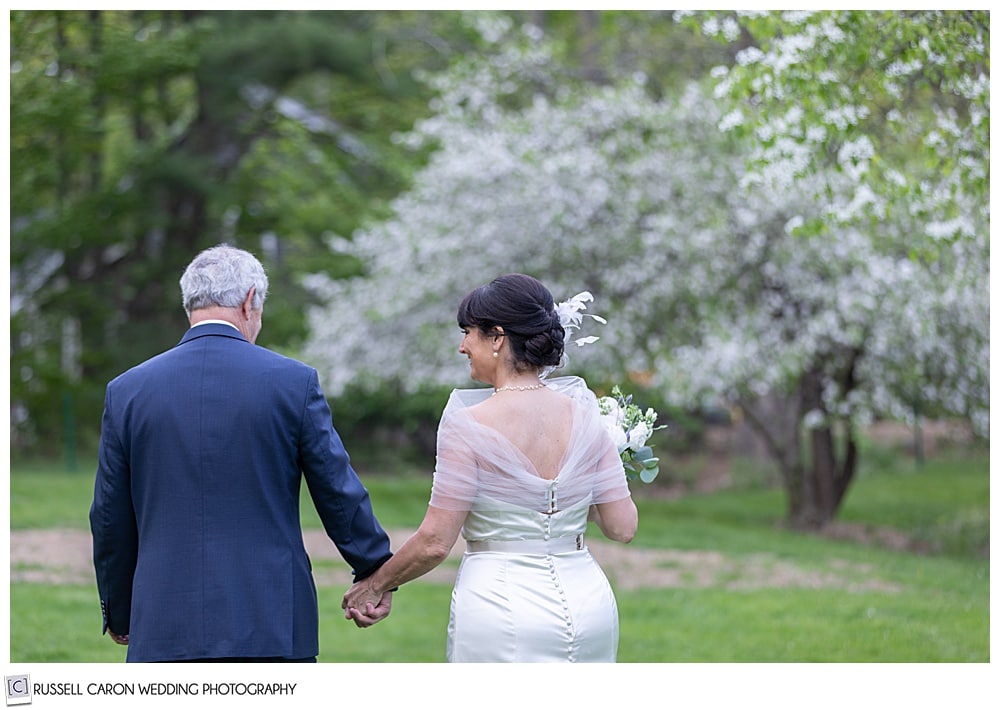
207,329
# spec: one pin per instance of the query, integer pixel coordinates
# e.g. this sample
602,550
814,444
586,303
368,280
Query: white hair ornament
571,316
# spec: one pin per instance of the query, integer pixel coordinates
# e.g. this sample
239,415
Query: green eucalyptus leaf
644,453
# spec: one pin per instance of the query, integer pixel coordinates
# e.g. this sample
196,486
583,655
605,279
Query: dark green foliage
140,138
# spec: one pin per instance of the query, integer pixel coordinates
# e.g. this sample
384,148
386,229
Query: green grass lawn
925,607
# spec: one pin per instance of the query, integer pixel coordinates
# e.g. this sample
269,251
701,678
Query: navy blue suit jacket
197,540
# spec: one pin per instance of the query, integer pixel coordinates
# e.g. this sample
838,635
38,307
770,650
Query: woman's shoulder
573,387
465,398
461,401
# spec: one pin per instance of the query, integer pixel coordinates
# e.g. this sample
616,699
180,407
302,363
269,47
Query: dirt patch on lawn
65,557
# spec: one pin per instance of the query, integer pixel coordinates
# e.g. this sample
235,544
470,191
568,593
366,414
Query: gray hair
223,276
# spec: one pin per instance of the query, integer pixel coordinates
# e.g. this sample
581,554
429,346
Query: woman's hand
365,605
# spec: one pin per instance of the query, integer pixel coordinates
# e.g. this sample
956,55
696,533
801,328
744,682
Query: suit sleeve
113,526
340,498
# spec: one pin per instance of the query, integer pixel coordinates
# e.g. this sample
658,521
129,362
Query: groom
197,540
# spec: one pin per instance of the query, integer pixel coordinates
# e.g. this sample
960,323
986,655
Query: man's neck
233,316
215,313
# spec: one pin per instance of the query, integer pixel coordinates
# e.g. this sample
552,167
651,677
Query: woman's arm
421,553
618,520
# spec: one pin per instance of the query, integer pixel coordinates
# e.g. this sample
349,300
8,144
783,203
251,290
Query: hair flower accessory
571,316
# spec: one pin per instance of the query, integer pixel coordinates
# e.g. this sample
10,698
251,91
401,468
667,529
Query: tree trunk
775,418
819,508
847,470
828,476
816,480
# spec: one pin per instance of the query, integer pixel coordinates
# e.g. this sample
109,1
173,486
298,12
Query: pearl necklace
518,388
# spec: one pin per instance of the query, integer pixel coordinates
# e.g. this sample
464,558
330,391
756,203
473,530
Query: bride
521,468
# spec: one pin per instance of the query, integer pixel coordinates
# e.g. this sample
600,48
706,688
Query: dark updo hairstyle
524,308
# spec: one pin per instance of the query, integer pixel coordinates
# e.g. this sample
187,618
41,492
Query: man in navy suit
197,539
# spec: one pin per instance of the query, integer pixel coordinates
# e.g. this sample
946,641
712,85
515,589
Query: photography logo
18,689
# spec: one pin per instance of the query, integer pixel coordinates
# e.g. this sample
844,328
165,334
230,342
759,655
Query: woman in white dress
521,468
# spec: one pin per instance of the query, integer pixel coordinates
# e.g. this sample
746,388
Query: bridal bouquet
630,428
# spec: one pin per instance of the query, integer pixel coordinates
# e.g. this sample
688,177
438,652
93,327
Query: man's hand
118,638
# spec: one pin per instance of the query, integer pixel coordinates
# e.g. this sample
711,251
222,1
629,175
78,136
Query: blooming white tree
566,187
880,119
717,286
897,101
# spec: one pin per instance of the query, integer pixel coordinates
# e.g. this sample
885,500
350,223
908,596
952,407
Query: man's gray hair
223,276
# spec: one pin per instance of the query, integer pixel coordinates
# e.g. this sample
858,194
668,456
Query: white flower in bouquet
630,429
612,420
638,435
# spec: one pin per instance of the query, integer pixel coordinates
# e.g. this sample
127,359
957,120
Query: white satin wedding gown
528,589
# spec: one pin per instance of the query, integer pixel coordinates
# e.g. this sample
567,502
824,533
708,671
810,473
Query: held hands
364,605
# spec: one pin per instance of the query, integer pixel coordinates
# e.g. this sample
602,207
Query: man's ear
247,304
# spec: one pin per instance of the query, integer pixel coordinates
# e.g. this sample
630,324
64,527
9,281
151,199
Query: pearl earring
496,354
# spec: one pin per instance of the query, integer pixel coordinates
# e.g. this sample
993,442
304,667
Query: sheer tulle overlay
528,590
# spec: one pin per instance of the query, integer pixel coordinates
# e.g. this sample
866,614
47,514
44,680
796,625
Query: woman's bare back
538,422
